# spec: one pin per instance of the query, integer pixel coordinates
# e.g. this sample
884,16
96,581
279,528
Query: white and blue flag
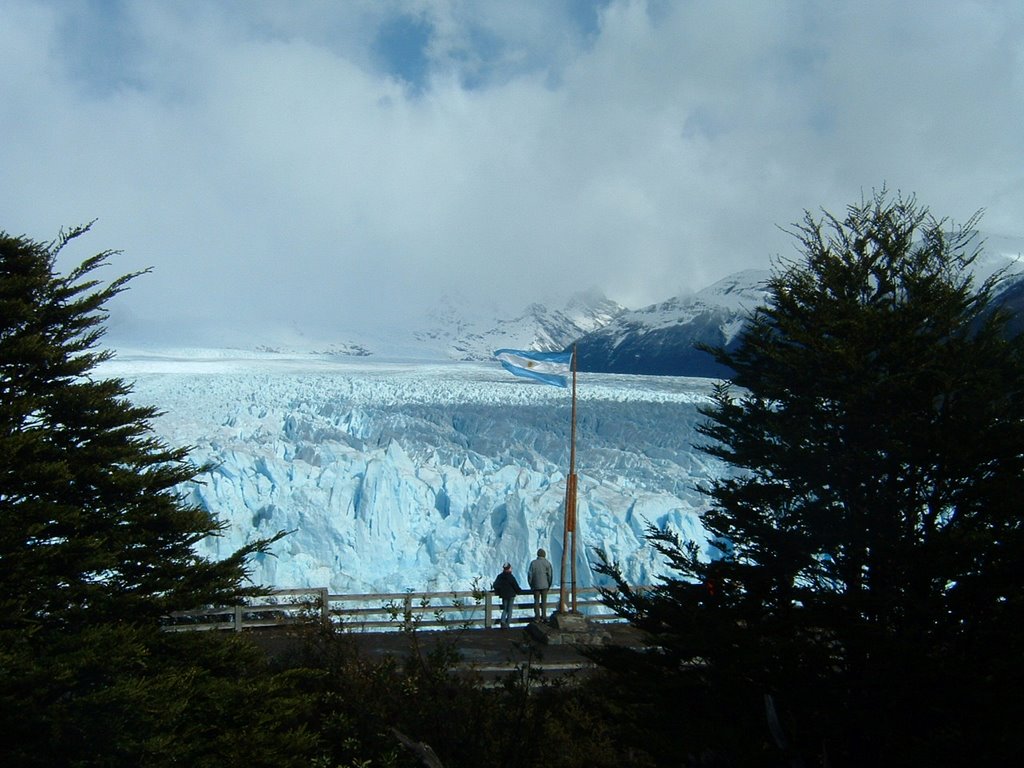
548,367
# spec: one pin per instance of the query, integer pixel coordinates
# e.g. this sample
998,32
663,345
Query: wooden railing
378,612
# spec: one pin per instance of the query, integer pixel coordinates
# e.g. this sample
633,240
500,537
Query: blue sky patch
401,49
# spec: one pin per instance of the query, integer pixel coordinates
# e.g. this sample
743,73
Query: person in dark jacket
506,587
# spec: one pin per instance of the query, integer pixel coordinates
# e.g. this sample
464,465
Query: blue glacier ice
394,477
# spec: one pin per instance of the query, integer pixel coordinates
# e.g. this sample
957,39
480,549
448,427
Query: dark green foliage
92,527
123,695
875,424
96,546
520,720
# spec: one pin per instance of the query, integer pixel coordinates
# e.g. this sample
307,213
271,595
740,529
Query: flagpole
563,606
548,368
572,474
569,524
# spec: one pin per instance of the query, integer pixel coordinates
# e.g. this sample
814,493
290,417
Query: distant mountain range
664,339
661,339
656,340
537,327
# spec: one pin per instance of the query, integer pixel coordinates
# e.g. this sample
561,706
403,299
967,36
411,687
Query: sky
315,167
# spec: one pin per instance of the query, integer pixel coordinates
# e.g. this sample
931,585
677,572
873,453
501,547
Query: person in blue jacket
506,587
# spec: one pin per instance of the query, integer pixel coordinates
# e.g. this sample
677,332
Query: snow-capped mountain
424,476
661,339
999,253
538,327
1010,296
455,329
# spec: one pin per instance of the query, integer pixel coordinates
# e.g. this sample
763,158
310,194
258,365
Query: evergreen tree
869,608
92,527
96,543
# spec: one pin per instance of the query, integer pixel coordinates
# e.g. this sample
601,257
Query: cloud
319,166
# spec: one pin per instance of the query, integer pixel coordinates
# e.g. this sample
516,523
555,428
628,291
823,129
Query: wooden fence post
408,610
325,611
488,611
238,618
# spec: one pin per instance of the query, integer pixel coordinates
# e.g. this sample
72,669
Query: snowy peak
736,294
456,330
558,328
591,309
662,339
740,292
460,337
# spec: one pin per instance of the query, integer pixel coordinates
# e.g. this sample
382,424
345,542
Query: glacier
393,476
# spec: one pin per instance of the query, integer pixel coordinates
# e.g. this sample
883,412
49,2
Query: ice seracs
426,477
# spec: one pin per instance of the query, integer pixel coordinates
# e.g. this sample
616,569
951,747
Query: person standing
540,576
506,587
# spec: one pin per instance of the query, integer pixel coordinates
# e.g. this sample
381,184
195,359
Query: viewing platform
398,624
381,612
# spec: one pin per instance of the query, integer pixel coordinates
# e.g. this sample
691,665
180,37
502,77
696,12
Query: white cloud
276,173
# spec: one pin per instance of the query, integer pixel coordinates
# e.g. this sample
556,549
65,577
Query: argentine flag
548,367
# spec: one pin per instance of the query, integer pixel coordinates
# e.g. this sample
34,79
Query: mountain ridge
663,339
659,339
